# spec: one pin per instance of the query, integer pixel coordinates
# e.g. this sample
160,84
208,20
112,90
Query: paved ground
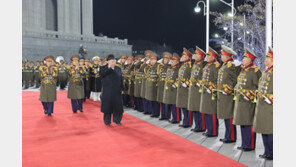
229,150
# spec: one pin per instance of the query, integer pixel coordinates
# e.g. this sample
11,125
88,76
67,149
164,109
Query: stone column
74,17
87,17
33,15
61,15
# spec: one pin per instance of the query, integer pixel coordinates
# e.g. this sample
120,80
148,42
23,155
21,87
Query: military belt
75,80
152,79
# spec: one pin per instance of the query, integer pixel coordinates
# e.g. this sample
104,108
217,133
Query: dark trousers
187,119
162,111
138,104
76,104
212,124
168,108
145,105
153,106
199,120
48,107
127,101
117,117
268,144
230,130
248,137
176,113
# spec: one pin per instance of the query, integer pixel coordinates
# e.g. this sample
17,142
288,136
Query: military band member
138,70
48,85
227,78
88,79
82,64
208,103
76,85
244,106
63,75
128,81
194,95
162,72
263,119
96,84
170,91
145,67
37,75
151,86
183,86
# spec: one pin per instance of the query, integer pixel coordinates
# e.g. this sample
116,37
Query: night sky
171,21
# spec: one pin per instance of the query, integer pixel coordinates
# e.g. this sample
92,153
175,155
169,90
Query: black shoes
45,112
173,122
81,110
49,114
146,113
154,116
266,157
227,141
245,149
184,126
197,130
209,135
161,119
74,112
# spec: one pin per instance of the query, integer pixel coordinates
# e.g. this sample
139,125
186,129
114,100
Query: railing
67,36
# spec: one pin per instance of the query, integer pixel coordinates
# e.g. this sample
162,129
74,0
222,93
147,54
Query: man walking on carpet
112,87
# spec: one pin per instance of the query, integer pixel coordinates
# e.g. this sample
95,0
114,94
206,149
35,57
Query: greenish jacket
144,78
171,84
195,84
48,84
263,119
162,72
227,78
151,83
139,69
76,87
244,106
182,92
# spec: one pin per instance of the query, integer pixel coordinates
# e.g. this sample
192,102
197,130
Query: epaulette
229,64
217,64
255,68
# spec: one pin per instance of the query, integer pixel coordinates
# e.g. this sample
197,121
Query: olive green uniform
182,92
28,75
162,72
63,75
48,84
171,84
139,69
76,87
37,76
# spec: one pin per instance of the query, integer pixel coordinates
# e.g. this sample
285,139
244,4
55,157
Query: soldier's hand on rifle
245,97
184,85
267,101
209,91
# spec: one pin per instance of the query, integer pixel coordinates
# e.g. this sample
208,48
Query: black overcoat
112,86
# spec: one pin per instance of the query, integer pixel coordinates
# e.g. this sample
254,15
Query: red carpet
82,140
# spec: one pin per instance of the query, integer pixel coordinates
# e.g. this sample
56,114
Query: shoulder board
255,68
229,64
217,64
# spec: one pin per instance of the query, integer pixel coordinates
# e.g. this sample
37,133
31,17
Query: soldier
128,81
183,85
23,68
138,70
208,103
264,108
76,85
63,75
194,95
162,71
48,85
26,72
170,91
244,106
144,79
121,64
87,76
96,84
81,64
37,74
31,73
227,78
151,86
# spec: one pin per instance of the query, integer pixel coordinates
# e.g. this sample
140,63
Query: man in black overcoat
112,87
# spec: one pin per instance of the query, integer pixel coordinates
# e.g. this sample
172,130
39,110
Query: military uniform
145,68
28,75
227,78
96,84
37,75
76,85
244,107
88,79
208,103
121,64
263,119
48,86
183,87
170,91
138,70
63,75
31,75
151,88
162,71
194,95
128,78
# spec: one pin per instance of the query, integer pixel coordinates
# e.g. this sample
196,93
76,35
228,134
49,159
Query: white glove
142,60
184,85
267,101
98,69
246,98
209,91
224,93
174,86
197,84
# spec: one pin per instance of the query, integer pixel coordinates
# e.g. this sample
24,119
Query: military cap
87,60
167,55
270,52
153,55
123,56
49,58
176,56
212,52
139,56
227,51
75,57
199,51
148,53
96,58
249,54
130,57
188,52
110,57
81,59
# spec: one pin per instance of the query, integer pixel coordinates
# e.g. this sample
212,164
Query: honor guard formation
192,87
